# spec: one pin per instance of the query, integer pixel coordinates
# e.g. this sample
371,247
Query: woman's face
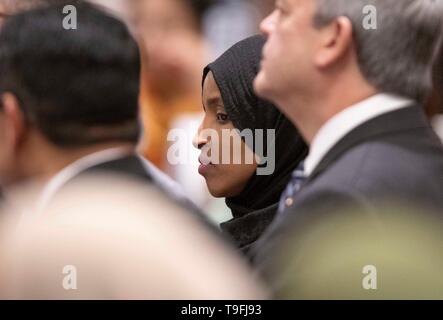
224,178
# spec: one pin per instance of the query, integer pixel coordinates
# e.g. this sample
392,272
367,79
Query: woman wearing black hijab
230,103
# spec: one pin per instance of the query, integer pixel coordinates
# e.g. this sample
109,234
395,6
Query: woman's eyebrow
214,101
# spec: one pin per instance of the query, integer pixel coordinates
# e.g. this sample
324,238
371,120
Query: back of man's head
11,7
396,40
78,87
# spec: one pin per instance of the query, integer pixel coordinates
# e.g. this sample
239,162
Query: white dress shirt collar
347,120
75,168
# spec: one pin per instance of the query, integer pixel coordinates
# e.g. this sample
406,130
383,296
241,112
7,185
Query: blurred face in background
170,38
223,180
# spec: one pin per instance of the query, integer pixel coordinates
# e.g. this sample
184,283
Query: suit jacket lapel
408,118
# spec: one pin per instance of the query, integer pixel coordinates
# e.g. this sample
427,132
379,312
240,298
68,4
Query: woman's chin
217,193
221,191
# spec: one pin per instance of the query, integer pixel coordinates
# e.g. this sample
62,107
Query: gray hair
397,56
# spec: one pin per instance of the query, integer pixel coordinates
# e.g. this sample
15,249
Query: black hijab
256,206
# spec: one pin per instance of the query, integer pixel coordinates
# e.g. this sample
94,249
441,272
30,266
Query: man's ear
336,40
14,120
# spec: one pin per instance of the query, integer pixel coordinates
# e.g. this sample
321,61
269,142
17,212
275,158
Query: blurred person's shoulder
127,237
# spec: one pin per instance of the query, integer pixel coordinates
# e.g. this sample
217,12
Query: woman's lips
204,167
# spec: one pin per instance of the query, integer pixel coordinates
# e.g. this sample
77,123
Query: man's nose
268,23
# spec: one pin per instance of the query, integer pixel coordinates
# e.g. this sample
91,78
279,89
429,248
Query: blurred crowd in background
178,38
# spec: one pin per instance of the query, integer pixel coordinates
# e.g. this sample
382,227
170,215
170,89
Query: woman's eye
222,118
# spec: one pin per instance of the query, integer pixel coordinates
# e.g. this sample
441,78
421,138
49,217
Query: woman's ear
14,121
336,40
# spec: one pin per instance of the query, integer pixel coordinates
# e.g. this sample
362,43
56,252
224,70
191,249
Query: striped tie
297,179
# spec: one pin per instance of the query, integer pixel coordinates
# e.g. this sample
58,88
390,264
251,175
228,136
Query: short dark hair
12,7
77,87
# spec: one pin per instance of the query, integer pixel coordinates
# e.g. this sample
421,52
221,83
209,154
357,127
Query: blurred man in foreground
69,100
11,7
128,241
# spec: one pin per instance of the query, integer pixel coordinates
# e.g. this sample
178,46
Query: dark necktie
297,179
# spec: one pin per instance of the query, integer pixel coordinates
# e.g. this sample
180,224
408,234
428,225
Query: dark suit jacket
395,158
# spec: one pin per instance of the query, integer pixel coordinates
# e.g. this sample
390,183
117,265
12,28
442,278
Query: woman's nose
198,141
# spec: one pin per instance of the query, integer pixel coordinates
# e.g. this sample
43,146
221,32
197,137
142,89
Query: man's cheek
273,48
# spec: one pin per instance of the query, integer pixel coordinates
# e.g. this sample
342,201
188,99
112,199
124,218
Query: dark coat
394,159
